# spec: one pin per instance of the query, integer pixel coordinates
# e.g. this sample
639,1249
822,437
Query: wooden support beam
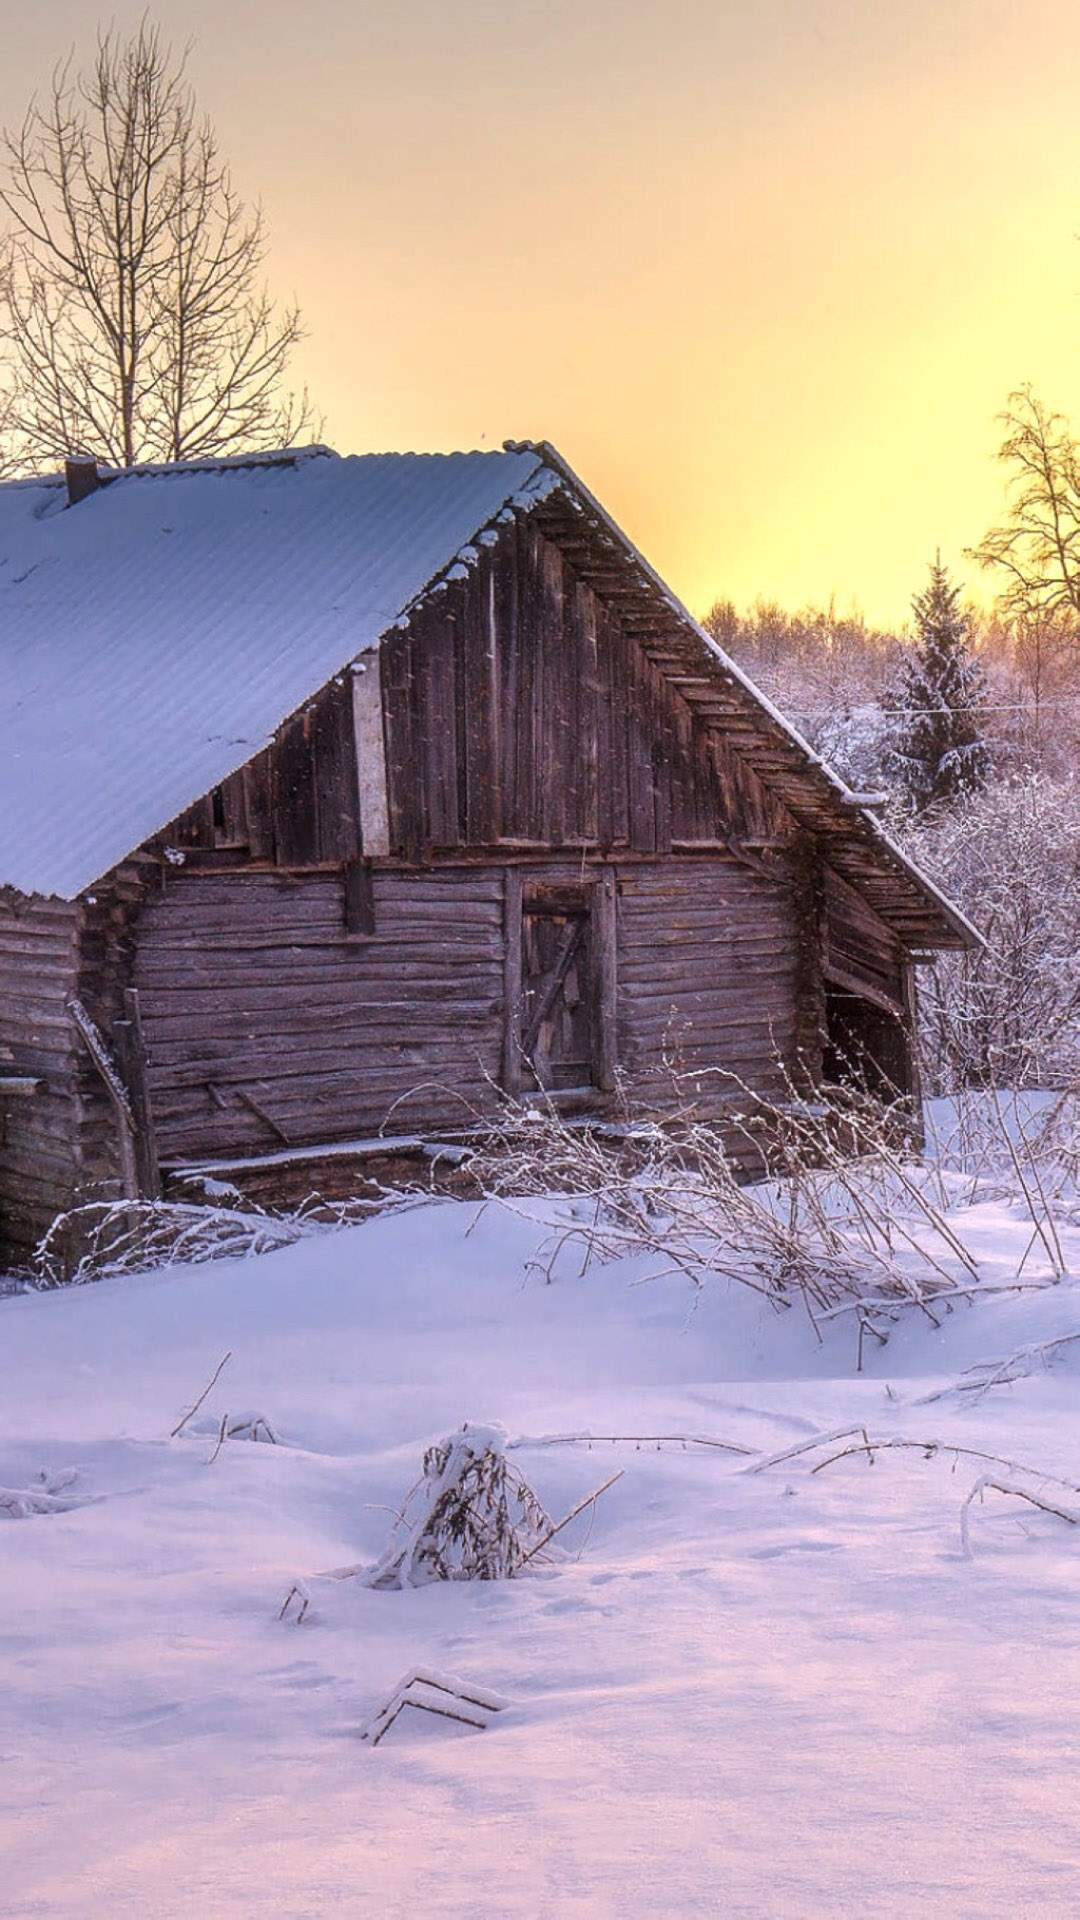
605,947
512,913
131,1059
117,1092
359,899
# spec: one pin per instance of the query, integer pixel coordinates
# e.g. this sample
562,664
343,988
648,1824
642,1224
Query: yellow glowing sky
764,270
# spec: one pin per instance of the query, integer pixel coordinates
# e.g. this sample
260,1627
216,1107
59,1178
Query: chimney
82,476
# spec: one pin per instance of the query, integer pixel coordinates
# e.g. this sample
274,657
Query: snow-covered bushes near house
1007,1016
814,1652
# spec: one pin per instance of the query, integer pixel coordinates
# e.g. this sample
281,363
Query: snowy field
742,1689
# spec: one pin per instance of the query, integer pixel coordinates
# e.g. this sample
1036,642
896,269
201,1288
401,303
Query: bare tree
136,323
1036,550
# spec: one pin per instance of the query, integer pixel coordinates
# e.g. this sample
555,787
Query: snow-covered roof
153,637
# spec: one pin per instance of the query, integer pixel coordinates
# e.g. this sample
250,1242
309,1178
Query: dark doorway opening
867,1046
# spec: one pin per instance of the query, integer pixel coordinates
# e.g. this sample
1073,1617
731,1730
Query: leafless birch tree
1035,552
135,322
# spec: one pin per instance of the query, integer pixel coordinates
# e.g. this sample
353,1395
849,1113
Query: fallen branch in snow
243,1426
870,1448
50,1495
626,1439
988,1484
1018,1365
302,1597
130,1236
208,1389
439,1694
590,1500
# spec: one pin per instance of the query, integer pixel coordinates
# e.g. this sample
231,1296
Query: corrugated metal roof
153,637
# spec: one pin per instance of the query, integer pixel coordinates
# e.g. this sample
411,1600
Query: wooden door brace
568,946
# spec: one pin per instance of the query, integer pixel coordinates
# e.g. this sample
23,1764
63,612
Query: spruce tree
938,752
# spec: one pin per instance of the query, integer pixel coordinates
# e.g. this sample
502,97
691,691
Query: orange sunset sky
765,272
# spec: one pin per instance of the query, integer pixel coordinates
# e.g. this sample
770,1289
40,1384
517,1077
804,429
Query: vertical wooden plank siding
605,948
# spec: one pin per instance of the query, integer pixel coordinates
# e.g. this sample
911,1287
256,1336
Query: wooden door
560,1007
558,989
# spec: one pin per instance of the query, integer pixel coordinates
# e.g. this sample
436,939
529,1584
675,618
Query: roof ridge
211,463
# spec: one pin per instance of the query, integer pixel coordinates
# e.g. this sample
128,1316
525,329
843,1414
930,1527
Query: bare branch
132,311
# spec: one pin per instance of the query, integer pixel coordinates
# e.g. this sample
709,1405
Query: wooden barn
344,798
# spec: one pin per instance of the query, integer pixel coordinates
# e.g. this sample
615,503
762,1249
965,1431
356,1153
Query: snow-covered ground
744,1690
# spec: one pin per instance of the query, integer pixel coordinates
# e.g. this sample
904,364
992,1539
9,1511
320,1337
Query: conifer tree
938,752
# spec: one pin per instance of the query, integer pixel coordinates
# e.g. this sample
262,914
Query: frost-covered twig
210,1385
1018,1365
589,1500
626,1439
989,1484
861,1442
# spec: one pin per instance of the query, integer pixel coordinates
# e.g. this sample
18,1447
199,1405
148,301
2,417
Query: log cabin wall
707,971
267,1025
38,1169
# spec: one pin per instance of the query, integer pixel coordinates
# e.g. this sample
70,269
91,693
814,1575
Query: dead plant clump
108,1237
844,1221
471,1516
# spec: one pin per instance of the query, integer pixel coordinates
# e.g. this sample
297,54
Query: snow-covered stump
472,1517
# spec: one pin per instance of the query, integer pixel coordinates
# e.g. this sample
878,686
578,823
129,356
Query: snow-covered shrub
471,1517
127,1236
1008,1015
846,1221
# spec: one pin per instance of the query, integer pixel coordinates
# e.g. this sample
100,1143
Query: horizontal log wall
707,975
266,1025
38,1131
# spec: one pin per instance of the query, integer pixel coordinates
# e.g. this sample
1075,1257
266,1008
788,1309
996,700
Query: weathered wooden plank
605,955
359,901
512,983
369,752
293,800
131,1058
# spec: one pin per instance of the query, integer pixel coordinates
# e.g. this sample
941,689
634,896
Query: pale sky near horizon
765,273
